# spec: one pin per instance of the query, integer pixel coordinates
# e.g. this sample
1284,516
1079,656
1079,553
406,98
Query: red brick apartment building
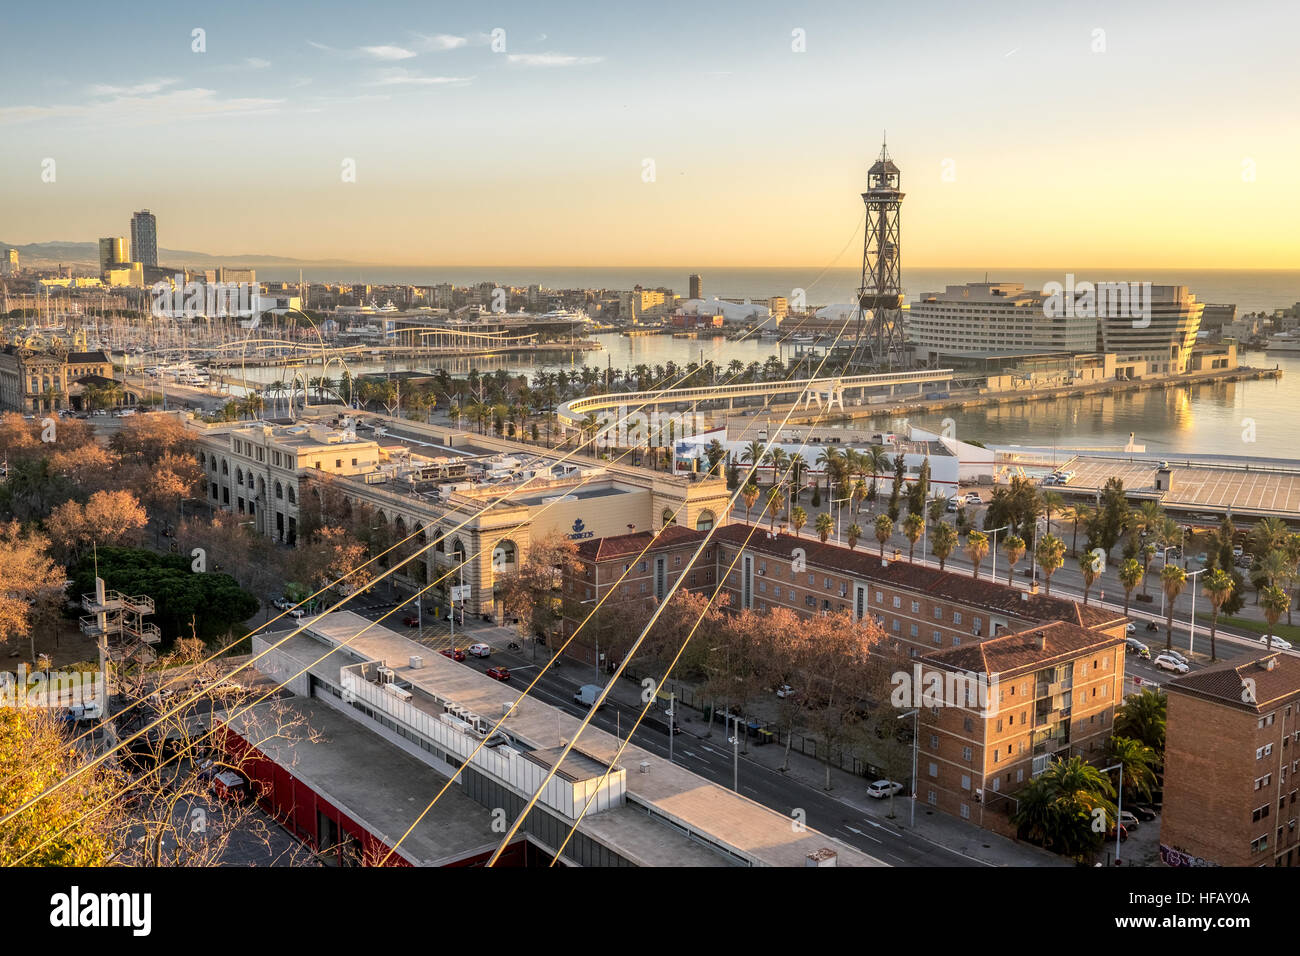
1232,758
1047,692
1057,665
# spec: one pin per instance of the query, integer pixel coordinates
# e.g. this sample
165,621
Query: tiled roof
622,545
949,585
1030,649
85,358
1226,682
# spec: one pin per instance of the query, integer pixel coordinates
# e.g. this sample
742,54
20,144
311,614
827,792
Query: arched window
705,521
669,516
239,476
279,491
293,498
225,467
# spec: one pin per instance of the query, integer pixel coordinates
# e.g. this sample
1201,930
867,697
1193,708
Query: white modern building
981,319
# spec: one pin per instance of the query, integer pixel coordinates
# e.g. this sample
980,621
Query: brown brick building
1045,693
1232,755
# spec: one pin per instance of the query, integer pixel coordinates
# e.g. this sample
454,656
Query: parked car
1134,646
499,673
455,653
1128,820
1178,657
411,620
884,788
953,505
784,691
1123,833
1277,642
587,694
297,612
1168,663
480,650
1144,812
281,604
973,498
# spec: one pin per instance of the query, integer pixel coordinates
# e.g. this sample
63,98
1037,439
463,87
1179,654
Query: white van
587,694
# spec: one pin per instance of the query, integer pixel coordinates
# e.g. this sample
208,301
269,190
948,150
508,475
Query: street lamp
1119,806
993,575
838,502
1191,636
915,713
1163,561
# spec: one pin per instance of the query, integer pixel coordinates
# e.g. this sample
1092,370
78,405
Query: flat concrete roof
379,785
737,824
1195,486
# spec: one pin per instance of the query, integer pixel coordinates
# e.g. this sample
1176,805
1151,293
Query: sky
1029,134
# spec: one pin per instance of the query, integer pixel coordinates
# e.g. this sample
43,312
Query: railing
112,601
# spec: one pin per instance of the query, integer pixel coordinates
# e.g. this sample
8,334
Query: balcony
1044,689
90,626
140,604
91,605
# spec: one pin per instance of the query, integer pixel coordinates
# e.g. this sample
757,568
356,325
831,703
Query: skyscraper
144,238
696,287
9,262
111,252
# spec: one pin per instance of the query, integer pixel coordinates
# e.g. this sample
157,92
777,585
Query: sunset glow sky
1139,155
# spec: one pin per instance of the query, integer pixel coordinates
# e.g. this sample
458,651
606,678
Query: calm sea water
1252,290
1201,419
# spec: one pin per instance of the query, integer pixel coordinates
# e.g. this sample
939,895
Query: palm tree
749,493
977,549
798,518
798,465
944,542
1130,573
853,532
1090,567
1059,805
1172,579
884,531
1052,501
1274,601
1148,552
1014,548
824,526
774,504
1139,762
1050,555
913,525
1142,717
1218,588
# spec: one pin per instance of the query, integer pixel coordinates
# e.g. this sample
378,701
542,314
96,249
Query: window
916,632
965,811
966,751
938,638
897,601
1259,814
938,614
880,599
934,769
677,560
932,798
956,617
965,781
968,725
916,607
934,742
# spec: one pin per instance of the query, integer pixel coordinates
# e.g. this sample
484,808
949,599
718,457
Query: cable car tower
880,341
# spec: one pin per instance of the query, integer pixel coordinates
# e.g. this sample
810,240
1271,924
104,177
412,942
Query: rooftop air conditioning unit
505,708
416,662
387,675
645,766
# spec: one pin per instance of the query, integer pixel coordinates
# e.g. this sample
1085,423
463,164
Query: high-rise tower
880,341
144,238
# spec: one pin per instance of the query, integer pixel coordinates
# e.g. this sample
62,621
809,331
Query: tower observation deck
879,330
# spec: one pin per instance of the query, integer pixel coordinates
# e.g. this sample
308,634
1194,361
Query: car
1144,812
499,673
974,499
1237,552
297,612
953,505
1276,642
1132,628
281,604
1128,820
884,788
455,653
1123,833
411,620
1134,646
1178,657
480,650
230,785
1168,663
784,691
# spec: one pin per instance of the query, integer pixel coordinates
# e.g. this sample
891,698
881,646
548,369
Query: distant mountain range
87,253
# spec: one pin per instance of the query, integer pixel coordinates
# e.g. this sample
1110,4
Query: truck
587,694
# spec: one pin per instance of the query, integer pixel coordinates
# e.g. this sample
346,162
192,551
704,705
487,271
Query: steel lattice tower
880,294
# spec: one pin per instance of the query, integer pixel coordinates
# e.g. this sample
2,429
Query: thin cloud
551,59
388,52
145,110
439,41
397,76
139,89
320,46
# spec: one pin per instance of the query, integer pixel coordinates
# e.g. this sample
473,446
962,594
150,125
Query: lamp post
1163,561
839,502
915,713
993,575
1119,806
1191,633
